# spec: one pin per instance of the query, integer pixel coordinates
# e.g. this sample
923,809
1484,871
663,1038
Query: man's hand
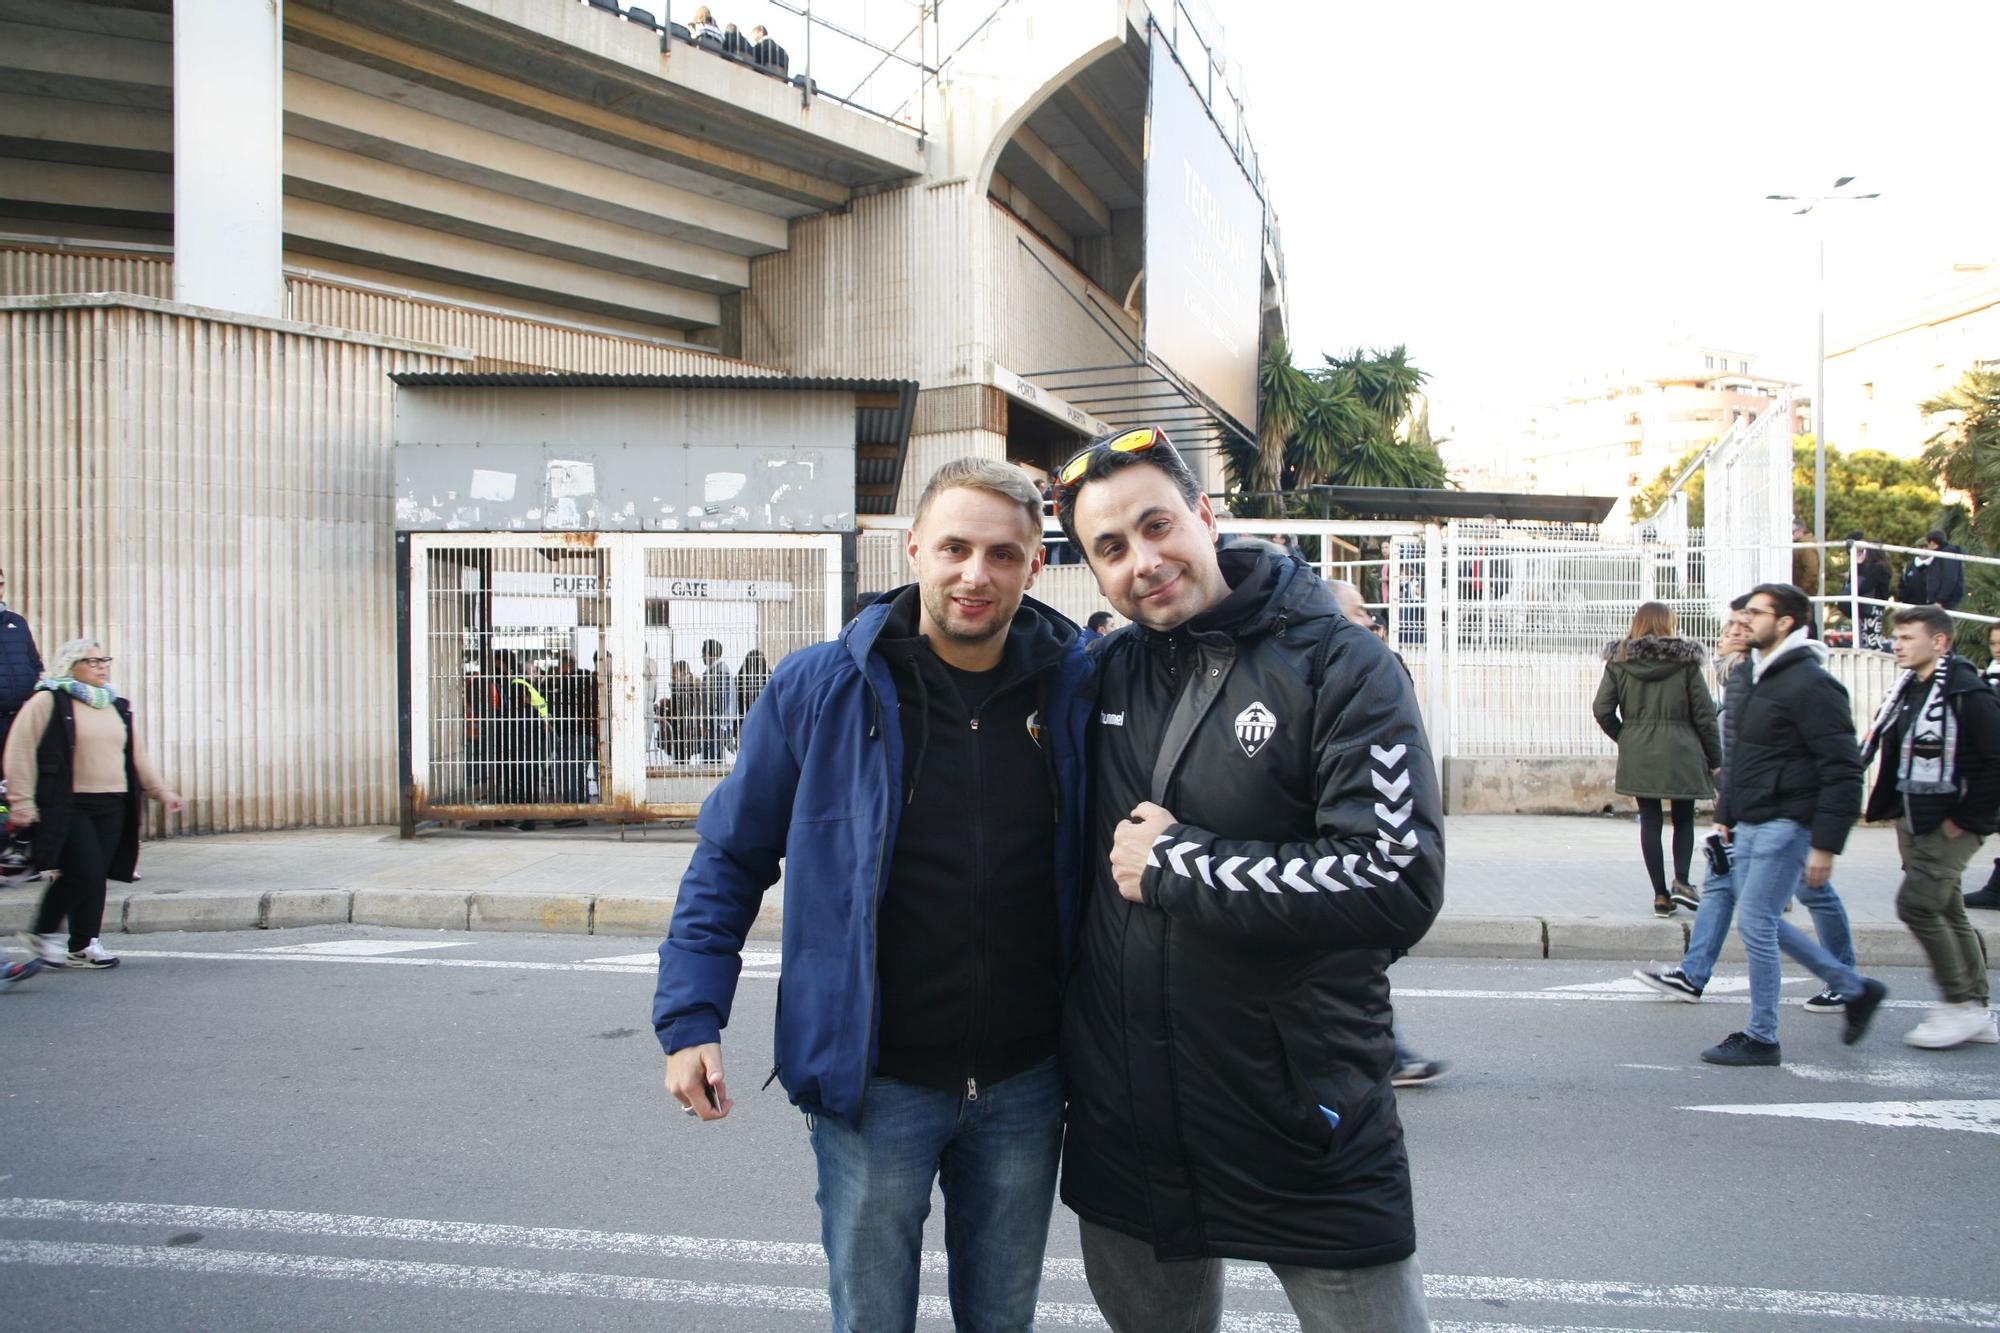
1131,845
1952,830
172,803
1819,868
694,1079
19,818
1723,829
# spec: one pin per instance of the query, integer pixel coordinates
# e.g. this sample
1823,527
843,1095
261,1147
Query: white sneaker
1989,1033
48,948
92,954
1952,1025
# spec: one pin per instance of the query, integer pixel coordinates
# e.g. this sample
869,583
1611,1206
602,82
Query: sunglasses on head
1139,441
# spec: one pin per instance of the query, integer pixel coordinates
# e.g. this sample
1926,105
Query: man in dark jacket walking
922,779
1265,834
1939,736
1790,792
1988,896
20,670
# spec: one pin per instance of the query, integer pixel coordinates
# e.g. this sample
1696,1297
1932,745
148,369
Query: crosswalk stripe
701,1249
1977,1116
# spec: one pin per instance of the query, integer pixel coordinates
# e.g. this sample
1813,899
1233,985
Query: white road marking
364,948
1907,1075
709,1250
1634,986
760,958
1664,1069
1978,1116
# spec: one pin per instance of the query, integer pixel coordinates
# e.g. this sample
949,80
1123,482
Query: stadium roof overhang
1419,503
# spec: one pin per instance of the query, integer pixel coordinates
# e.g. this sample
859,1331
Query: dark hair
1098,620
1738,603
1104,462
1934,619
1935,535
1790,603
709,646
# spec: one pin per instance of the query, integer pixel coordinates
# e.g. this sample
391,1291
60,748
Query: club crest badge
1255,726
1035,727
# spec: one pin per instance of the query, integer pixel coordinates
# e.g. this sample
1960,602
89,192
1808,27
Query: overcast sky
1525,193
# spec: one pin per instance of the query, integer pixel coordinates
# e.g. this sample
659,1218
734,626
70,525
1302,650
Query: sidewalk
1519,886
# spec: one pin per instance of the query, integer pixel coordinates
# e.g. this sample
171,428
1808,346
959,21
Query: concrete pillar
229,156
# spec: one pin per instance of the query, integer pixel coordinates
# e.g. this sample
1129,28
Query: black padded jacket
1209,1031
1791,752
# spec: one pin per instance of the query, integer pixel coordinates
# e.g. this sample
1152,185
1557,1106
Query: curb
1876,944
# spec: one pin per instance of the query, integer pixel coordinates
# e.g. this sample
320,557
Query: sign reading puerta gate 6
1204,246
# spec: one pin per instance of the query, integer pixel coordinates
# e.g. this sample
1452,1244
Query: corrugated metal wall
212,500
497,341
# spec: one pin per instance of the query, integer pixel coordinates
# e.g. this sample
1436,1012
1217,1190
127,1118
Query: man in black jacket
1989,896
1935,579
20,670
1265,835
1939,736
1790,793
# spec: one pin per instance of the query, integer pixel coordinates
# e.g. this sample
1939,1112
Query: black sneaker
1740,1048
1685,895
1988,897
1861,1010
1670,982
1663,906
1413,1073
1828,1001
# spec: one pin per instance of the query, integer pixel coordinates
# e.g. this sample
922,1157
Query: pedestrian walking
1096,627
75,772
1653,702
1265,835
751,679
1690,977
922,780
1938,733
13,974
718,704
1788,798
1989,896
20,669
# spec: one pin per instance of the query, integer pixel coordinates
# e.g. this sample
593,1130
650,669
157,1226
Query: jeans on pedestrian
1770,858
994,1156
1718,907
1139,1293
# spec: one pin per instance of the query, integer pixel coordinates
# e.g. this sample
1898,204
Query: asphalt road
269,1130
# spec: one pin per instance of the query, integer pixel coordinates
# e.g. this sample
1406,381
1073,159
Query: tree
1966,453
1348,423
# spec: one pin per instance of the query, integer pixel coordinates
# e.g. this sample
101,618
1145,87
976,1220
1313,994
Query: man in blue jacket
921,779
20,669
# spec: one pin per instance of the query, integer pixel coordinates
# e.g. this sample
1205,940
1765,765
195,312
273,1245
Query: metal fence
575,676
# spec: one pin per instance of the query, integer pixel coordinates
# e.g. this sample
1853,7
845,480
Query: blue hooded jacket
818,782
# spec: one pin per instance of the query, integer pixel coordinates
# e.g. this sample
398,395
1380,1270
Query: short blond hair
1005,480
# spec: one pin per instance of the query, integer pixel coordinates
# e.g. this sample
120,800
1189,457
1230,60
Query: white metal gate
595,675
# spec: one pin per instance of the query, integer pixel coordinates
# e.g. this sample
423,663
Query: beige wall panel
928,453
896,286
26,272
497,340
212,500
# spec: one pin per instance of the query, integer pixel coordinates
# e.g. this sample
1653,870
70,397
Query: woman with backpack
1654,703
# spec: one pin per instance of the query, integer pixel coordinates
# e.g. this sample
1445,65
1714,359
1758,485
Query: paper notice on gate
568,480
497,487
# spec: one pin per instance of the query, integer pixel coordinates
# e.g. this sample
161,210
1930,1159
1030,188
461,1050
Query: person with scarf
75,771
1938,733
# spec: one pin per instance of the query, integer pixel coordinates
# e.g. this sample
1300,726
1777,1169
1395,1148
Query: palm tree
1966,453
1348,423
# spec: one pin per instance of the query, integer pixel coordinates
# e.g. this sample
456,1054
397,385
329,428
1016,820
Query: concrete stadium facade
223,228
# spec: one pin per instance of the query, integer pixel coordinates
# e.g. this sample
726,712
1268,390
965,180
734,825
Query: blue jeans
1770,858
995,1157
1718,906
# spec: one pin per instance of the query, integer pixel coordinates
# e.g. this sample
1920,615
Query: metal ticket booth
596,575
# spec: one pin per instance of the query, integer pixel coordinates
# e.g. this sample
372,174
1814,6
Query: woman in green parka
1654,703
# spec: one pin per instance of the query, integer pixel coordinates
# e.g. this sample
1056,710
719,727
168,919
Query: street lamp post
1810,202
